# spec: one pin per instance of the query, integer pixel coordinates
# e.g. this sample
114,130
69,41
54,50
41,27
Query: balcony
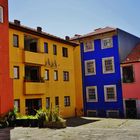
34,58
34,88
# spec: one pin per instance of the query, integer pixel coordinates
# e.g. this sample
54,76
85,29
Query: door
131,110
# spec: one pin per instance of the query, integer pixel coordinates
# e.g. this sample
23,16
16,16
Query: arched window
1,14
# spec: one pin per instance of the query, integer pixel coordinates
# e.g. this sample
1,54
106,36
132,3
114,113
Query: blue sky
69,17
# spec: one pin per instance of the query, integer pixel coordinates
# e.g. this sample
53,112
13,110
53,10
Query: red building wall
132,90
6,87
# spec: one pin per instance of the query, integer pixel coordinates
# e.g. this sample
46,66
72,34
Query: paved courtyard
79,129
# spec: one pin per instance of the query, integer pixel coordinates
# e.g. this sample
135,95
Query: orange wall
132,90
6,96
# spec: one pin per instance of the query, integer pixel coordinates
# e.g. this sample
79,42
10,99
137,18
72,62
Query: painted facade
130,83
43,71
6,94
101,55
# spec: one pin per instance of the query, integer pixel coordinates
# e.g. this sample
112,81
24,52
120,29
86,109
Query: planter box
56,124
33,122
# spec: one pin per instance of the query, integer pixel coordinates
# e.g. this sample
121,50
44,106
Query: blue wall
101,79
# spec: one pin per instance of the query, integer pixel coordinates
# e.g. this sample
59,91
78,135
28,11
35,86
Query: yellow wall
51,88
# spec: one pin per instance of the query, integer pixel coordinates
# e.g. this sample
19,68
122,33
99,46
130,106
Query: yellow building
43,71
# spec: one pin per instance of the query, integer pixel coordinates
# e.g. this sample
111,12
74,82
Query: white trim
1,14
92,43
107,112
105,39
91,100
103,65
105,93
94,67
95,111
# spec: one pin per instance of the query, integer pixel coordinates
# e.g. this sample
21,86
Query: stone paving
79,129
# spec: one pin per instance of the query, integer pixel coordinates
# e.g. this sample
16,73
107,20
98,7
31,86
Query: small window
57,101
65,52
91,93
17,104
65,75
55,75
46,74
108,65
128,75
112,113
1,14
91,113
15,40
16,72
90,67
54,49
46,47
47,102
67,101
107,43
88,46
110,93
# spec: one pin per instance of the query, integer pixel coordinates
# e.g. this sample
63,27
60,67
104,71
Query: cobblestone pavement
79,129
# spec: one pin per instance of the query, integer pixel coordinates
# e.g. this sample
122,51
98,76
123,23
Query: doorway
131,110
32,105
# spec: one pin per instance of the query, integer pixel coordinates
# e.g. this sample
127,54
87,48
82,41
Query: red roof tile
96,32
134,55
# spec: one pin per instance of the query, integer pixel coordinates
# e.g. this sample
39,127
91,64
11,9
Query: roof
134,55
95,32
41,33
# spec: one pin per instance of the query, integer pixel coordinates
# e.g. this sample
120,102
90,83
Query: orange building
6,96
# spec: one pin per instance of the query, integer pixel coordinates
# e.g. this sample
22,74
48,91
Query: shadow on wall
5,133
77,121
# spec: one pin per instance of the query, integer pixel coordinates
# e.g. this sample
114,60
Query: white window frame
46,75
1,14
105,93
107,112
102,43
95,111
87,94
94,65
16,72
91,49
103,65
55,75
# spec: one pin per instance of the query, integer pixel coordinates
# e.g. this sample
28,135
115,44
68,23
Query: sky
69,17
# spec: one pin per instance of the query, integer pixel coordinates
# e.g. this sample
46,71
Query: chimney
39,29
67,38
17,22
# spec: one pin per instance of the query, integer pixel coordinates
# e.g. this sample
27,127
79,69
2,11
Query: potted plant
33,121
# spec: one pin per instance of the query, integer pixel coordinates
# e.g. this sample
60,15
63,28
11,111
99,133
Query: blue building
102,51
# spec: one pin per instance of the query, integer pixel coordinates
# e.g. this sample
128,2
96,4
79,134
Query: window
110,93
65,75
16,72
54,49
91,93
107,43
108,65
66,100
90,67
128,75
15,40
48,102
88,46
91,113
57,101
55,75
1,14
46,47
112,113
17,104
65,52
46,74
